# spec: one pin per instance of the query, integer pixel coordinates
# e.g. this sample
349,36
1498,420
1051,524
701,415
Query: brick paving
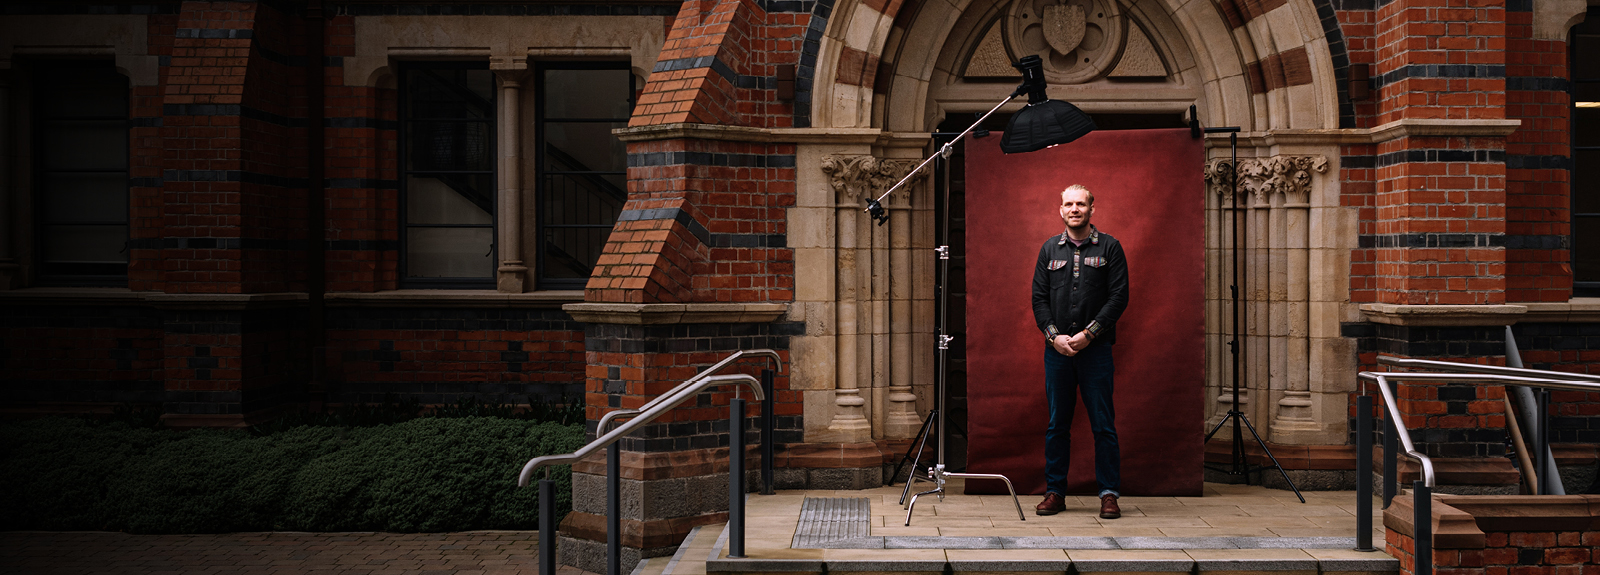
94,552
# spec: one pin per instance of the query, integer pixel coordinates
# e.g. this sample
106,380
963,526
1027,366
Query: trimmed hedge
423,475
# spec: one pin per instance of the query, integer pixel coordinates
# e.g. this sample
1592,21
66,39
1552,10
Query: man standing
1080,287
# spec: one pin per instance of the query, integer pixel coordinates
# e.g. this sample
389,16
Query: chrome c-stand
936,473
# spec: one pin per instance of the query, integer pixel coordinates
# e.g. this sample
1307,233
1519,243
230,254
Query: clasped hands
1070,345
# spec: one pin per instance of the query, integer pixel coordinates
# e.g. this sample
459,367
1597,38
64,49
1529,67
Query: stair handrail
1404,434
777,363
653,409
1489,369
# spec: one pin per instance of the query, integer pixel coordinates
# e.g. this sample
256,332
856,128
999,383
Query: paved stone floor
1224,512
470,553
980,532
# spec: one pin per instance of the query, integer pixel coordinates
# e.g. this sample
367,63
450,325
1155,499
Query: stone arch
1266,66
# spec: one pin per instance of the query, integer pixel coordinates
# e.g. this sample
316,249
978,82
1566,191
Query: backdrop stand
1238,466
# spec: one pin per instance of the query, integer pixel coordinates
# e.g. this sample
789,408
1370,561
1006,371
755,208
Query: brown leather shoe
1052,504
1108,507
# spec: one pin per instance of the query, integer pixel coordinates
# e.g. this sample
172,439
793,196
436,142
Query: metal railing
643,415
1396,432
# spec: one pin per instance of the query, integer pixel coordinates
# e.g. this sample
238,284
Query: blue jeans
1090,372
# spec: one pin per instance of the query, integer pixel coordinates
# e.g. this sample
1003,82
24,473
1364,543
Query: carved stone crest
1063,27
1263,177
857,177
1079,40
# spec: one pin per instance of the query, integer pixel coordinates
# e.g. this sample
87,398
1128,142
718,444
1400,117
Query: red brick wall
442,355
1538,259
705,221
747,43
362,161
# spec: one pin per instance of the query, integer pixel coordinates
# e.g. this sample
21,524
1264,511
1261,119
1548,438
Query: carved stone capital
1290,176
858,177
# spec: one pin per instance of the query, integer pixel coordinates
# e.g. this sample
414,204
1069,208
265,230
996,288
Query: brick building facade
234,209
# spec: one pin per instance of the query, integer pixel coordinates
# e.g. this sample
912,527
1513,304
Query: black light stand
1239,465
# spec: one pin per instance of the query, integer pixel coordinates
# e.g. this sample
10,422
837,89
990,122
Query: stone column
1277,295
874,302
512,275
10,271
849,423
1256,291
1291,178
1220,263
900,410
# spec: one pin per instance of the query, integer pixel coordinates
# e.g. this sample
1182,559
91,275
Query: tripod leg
916,445
1218,427
911,477
1275,463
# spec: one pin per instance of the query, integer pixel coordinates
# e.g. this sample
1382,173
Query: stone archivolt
1290,176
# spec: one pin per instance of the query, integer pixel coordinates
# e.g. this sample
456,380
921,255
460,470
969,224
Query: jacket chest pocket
1060,272
1093,269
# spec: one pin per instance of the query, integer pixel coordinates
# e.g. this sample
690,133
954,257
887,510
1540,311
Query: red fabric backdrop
1149,195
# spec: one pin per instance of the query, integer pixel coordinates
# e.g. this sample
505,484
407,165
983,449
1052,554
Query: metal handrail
1422,501
1404,435
640,419
777,363
1491,369
651,409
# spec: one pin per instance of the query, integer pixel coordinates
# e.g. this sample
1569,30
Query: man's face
1076,209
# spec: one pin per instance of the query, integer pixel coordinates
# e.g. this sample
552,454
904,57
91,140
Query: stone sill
551,299
1443,315
1576,310
1582,309
1461,521
675,313
125,296
436,298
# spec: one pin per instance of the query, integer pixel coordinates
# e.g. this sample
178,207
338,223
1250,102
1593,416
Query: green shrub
430,474
208,481
54,472
427,474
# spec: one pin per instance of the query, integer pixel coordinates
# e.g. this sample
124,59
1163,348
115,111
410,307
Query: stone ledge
73,295
863,136
125,296
436,298
1443,315
1455,471
675,313
1576,310
1434,127
1460,521
1411,127
226,301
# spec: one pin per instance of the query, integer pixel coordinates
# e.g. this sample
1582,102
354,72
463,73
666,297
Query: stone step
1052,555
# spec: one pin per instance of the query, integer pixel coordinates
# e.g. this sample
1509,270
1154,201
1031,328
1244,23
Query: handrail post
1422,522
769,424
1391,459
614,509
547,526
1364,473
736,477
1546,474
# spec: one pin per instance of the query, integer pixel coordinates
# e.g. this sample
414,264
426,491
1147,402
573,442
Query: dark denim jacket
1077,289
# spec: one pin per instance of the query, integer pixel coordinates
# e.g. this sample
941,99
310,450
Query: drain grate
824,519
